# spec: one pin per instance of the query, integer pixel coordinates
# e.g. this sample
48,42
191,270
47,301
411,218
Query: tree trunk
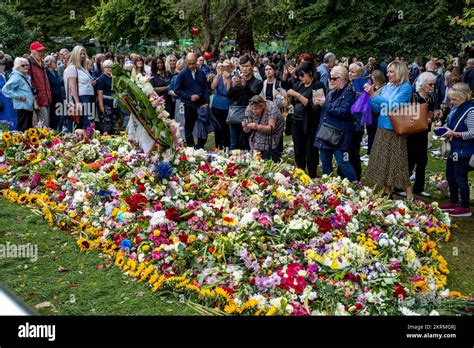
206,16
244,40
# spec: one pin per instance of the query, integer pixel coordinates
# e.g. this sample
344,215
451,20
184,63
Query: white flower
78,197
158,218
408,312
363,194
279,178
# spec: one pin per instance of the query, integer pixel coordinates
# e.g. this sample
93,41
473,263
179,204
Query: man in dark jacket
40,81
191,88
468,76
243,87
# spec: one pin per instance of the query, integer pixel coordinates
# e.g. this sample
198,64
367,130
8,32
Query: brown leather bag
73,109
410,118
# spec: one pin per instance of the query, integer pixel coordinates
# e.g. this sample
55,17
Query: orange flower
51,185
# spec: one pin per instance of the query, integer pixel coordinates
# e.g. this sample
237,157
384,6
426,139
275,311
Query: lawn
65,281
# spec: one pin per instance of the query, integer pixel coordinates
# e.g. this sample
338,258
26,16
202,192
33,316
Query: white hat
107,63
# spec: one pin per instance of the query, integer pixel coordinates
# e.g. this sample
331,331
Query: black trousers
306,155
354,155
222,136
417,148
190,118
25,119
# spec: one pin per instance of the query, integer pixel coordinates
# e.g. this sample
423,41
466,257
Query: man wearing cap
40,81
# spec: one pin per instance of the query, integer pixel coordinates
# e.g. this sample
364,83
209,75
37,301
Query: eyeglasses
431,84
334,78
24,65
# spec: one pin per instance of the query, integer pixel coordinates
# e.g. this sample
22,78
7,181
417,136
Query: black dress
164,81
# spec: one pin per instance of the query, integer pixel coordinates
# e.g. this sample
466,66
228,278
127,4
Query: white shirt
84,80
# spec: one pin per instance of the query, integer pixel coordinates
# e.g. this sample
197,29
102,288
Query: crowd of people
256,99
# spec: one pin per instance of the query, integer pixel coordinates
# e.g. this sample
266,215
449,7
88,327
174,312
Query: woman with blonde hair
170,64
460,129
79,87
221,102
388,162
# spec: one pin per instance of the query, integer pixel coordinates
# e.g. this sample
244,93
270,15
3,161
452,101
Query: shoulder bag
446,144
410,118
236,114
330,134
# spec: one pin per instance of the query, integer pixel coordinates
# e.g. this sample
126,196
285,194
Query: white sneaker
424,194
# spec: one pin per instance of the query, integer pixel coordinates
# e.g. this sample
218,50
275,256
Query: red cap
36,46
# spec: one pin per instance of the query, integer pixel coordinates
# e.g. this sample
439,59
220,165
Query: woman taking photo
460,129
388,162
20,90
336,114
265,124
305,116
221,102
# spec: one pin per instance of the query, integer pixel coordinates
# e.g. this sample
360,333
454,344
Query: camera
34,90
236,73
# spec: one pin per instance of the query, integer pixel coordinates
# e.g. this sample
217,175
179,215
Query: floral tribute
231,233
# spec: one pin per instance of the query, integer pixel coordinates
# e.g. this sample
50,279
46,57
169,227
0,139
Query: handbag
330,134
236,114
72,109
410,118
446,143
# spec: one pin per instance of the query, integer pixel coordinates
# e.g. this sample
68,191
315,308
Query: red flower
358,306
227,289
183,237
399,291
138,240
114,177
183,158
251,281
141,187
136,202
172,214
1,152
211,249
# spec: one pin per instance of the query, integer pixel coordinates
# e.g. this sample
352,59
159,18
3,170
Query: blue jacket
336,112
8,113
389,100
460,147
19,85
55,85
186,86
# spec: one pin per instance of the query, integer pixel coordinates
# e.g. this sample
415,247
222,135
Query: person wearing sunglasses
20,90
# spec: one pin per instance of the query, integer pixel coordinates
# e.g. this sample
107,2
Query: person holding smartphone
221,102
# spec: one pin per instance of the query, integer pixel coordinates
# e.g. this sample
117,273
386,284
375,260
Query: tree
365,28
15,34
57,19
131,20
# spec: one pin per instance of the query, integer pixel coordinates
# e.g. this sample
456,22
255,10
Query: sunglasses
334,78
24,65
431,84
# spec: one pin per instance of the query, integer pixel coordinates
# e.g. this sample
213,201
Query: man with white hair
324,69
192,88
468,75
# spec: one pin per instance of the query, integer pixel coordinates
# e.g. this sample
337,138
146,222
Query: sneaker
400,193
413,177
423,193
460,212
448,206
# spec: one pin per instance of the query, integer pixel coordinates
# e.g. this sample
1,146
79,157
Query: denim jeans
238,138
344,166
457,176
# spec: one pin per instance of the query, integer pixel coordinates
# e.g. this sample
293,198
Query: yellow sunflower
84,244
22,199
16,140
34,140
6,136
420,286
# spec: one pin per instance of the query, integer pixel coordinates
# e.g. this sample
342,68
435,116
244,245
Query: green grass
72,283
68,278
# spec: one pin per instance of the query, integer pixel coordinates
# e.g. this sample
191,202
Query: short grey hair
329,57
19,61
423,79
470,62
48,60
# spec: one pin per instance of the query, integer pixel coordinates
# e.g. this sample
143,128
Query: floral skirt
388,161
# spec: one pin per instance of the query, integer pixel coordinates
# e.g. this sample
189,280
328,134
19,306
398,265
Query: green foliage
57,18
365,28
15,34
130,20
